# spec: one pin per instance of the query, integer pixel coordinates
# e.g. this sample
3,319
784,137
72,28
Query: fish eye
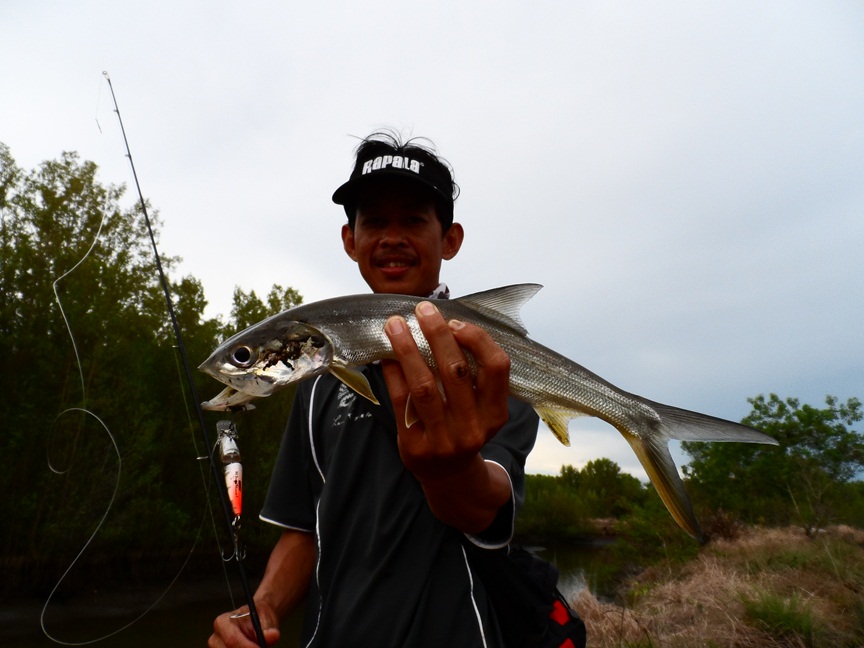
242,357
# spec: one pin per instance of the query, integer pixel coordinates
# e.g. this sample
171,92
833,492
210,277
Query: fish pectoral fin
558,419
354,379
411,415
654,456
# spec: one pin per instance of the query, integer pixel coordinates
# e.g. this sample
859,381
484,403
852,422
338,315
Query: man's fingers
410,374
492,368
454,369
235,629
455,346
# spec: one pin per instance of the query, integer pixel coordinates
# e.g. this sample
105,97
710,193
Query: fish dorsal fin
503,304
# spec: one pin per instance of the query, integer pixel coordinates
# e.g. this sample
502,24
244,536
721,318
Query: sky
686,179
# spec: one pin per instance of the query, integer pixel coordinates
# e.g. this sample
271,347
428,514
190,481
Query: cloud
684,180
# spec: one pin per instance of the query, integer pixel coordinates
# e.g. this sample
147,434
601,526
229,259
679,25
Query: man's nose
393,234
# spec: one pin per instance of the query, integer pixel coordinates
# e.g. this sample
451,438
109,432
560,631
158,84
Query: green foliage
130,381
248,308
789,618
806,479
849,503
551,512
616,492
650,536
561,508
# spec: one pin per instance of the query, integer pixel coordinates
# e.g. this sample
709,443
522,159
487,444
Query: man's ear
452,241
348,241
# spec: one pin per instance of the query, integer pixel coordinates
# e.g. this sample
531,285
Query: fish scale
342,334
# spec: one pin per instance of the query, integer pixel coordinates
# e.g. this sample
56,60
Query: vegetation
108,420
109,412
809,479
767,588
567,507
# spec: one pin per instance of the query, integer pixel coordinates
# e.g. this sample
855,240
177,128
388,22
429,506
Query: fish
342,334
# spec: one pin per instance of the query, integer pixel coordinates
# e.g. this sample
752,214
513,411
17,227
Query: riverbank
767,588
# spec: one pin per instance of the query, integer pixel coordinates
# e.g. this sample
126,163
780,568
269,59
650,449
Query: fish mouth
229,400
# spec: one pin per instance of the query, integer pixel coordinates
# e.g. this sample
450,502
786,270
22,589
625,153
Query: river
184,617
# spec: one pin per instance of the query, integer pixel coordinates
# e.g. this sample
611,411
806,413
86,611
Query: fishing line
60,471
223,498
68,326
102,519
96,530
205,482
86,412
63,311
98,102
42,622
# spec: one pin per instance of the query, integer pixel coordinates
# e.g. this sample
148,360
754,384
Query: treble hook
237,552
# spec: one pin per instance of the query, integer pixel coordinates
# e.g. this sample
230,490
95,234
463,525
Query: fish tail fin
684,425
654,456
652,449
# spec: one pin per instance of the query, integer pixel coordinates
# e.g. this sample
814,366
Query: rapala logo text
395,161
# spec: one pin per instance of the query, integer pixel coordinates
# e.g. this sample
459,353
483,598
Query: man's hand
442,448
237,632
283,586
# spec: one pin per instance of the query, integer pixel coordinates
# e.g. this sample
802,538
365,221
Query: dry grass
770,587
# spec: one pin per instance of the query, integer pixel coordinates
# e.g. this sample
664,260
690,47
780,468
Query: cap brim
347,193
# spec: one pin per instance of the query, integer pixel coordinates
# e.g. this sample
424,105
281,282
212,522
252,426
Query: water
581,566
185,616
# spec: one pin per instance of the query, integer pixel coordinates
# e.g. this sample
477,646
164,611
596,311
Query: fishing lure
232,466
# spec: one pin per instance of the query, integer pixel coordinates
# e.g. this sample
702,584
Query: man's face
397,240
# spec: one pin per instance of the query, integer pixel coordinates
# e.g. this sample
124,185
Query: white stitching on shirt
473,601
480,542
317,578
311,431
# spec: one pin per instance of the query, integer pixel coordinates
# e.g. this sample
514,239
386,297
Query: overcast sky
685,178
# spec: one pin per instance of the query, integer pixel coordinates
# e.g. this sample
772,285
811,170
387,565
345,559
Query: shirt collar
441,292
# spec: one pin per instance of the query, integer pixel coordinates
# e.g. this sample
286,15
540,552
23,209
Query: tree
801,479
616,492
249,309
66,239
562,507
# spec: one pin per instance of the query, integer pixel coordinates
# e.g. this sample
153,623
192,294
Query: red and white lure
232,468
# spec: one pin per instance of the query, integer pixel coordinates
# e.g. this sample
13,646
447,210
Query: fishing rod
227,509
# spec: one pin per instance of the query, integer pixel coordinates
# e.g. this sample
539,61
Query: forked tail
651,445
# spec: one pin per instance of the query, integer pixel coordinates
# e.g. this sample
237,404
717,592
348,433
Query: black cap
411,163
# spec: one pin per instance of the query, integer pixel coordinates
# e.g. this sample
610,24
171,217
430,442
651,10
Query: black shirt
388,572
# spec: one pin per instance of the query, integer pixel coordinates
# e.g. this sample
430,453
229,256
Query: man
376,515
